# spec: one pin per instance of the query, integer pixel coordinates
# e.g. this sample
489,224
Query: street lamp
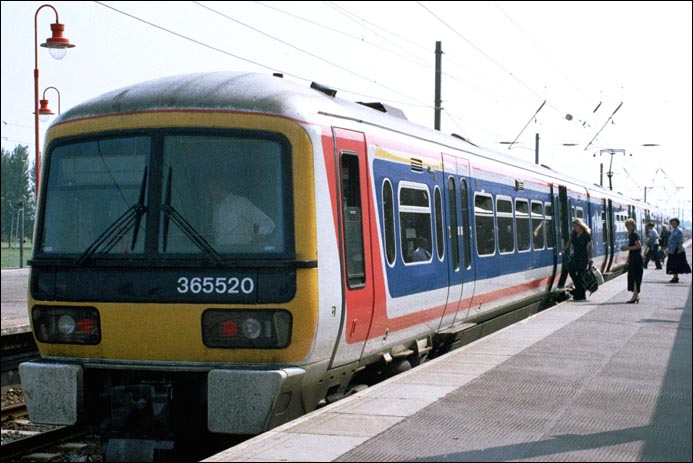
44,111
20,219
57,46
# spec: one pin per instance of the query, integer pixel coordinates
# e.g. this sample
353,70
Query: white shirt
237,221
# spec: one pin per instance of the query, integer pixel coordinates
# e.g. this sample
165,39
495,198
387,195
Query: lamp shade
57,44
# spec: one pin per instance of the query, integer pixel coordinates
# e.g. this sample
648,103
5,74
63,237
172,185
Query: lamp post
44,111
57,46
20,219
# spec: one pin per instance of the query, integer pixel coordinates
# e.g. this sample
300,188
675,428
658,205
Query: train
160,327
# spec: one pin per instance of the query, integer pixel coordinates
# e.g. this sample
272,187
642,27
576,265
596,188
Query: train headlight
246,329
66,325
252,329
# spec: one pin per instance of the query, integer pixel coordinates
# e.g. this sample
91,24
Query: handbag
589,280
598,275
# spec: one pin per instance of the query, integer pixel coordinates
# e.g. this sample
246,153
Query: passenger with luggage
652,246
583,253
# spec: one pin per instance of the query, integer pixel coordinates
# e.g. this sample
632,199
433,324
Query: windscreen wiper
119,228
171,213
141,209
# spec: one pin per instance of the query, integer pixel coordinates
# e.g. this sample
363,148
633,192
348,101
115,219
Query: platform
599,380
15,316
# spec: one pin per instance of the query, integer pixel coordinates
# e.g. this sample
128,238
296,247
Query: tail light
246,329
66,325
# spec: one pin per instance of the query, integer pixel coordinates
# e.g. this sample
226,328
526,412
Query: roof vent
326,90
383,108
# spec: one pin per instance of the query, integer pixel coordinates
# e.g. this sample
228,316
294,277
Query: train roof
269,94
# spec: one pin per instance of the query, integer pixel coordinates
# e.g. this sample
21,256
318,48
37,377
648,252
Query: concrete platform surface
599,380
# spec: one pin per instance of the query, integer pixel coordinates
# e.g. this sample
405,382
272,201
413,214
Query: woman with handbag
583,253
635,264
676,262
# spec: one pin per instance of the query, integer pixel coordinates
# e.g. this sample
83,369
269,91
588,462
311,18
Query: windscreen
168,195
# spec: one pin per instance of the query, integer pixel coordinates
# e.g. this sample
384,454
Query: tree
17,185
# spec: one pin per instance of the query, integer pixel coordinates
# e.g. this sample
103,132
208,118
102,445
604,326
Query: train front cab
157,339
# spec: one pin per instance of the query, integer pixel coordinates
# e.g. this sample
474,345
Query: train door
552,237
605,236
453,168
610,232
466,256
357,279
564,227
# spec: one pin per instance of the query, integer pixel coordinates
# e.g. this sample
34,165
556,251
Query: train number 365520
219,285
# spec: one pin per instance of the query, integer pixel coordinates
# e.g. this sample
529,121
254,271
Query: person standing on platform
583,253
676,260
652,243
635,265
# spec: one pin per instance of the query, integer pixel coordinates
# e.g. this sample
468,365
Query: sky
613,75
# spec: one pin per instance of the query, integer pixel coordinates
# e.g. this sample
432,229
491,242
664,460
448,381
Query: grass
10,257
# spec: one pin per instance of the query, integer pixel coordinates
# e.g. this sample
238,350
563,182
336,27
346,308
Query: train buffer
599,380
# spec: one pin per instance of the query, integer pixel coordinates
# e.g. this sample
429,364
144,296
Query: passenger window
506,228
538,225
353,228
440,236
550,238
485,231
415,222
389,222
523,226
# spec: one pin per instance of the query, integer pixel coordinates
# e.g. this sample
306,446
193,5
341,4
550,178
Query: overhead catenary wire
257,63
607,121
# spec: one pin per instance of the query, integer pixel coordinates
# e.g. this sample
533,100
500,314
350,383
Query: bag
598,275
589,280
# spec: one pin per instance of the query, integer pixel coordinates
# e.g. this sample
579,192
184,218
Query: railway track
16,348
62,443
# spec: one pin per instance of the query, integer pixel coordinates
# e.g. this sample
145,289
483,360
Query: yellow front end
172,332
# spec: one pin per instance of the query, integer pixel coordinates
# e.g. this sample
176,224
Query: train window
538,225
92,190
485,231
440,236
580,213
389,222
523,226
506,227
466,229
452,213
353,222
550,232
415,222
243,181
